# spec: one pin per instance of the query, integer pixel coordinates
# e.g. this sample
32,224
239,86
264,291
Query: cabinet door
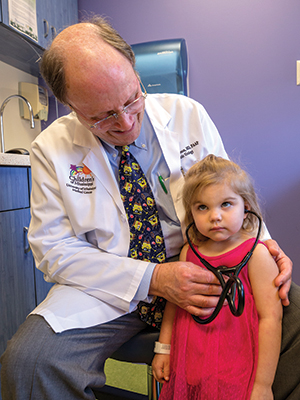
67,14
17,291
4,12
14,184
44,17
53,16
41,286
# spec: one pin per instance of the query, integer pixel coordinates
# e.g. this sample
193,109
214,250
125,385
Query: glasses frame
125,108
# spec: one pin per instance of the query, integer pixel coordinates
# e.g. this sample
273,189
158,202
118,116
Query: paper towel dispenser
38,98
163,65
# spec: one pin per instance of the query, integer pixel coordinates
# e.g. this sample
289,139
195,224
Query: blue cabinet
54,16
21,285
22,52
17,286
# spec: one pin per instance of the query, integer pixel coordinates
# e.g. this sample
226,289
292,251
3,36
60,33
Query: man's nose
124,121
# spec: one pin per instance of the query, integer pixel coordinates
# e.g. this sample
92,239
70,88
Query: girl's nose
215,215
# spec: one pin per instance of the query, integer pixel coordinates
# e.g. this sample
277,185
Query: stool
139,350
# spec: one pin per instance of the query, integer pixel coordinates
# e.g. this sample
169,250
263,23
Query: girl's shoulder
183,252
261,257
261,249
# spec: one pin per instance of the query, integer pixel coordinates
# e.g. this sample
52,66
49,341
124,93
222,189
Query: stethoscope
233,285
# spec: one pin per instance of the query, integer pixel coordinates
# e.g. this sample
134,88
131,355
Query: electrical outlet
298,72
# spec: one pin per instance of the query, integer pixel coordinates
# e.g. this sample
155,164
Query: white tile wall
17,131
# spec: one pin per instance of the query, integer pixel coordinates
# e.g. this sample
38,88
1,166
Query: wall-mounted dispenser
38,98
163,65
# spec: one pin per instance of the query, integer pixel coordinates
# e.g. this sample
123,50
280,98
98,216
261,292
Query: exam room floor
127,377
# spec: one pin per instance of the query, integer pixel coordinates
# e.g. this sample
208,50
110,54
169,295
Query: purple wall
242,68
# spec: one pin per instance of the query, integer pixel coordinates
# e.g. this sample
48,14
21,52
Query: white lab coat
79,233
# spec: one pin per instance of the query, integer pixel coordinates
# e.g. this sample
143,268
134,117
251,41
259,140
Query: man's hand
285,266
187,285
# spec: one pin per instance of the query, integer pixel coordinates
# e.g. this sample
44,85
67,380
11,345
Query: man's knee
20,356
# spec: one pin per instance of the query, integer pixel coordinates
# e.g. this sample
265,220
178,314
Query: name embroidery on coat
188,150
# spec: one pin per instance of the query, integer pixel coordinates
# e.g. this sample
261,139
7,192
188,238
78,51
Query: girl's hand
161,367
285,266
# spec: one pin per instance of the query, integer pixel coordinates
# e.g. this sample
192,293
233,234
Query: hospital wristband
162,348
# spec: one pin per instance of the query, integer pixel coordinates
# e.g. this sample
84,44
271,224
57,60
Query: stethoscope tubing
231,288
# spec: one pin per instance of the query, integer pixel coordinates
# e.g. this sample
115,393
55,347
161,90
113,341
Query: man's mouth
119,132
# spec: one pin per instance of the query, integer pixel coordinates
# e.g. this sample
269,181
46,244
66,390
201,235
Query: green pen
162,183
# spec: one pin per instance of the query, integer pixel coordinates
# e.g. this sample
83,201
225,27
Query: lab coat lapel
169,142
168,139
170,145
96,160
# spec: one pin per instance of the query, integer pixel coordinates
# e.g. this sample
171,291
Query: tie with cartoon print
146,237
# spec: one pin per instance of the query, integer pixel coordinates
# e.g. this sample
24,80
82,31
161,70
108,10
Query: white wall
17,131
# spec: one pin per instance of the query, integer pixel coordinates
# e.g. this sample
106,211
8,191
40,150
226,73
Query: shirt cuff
143,289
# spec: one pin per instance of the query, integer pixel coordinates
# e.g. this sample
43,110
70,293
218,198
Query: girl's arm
262,273
161,362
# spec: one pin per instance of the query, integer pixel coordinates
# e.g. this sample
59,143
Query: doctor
79,232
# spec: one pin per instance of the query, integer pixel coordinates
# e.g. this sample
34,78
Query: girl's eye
202,207
226,204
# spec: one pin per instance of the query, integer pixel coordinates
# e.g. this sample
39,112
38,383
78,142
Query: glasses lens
135,106
132,108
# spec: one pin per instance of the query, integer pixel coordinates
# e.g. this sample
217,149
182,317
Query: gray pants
287,380
41,365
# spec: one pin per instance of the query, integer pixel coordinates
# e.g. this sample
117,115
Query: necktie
146,237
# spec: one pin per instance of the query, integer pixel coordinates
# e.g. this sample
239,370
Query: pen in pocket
162,183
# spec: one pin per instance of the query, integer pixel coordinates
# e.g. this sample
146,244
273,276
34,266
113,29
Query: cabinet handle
54,33
46,28
25,240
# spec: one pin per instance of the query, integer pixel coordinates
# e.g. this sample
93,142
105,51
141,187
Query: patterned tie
146,237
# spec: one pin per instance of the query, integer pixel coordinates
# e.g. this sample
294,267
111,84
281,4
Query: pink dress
217,360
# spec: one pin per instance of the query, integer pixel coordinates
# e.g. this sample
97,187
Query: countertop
17,160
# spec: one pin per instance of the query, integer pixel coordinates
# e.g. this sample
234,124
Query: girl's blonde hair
214,170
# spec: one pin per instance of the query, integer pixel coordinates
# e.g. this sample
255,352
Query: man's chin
124,138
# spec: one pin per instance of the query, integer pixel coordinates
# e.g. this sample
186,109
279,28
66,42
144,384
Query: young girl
230,357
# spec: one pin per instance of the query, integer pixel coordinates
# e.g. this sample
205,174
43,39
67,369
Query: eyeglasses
132,108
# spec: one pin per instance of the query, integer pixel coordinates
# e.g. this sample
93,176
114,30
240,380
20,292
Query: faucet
1,116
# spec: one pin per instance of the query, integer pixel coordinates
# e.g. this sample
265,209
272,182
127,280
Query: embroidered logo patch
81,179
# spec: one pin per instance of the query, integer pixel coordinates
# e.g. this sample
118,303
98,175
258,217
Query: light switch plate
298,72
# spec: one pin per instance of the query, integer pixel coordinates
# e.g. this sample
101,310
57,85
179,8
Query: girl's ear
247,207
